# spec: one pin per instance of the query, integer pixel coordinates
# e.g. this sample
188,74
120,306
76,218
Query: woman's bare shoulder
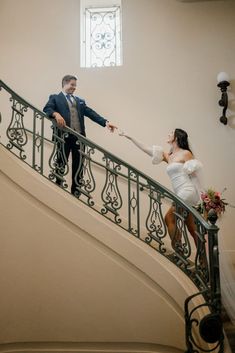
166,157
187,155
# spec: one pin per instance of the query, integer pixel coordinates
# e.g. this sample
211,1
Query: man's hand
59,119
110,126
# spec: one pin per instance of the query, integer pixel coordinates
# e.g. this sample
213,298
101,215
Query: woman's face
171,137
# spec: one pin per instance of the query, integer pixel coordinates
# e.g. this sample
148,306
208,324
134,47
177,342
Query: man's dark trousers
70,145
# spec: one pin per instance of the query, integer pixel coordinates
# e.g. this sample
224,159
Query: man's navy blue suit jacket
58,103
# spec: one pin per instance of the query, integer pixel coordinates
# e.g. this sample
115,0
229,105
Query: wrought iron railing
119,192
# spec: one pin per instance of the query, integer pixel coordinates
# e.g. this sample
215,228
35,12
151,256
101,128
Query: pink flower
211,199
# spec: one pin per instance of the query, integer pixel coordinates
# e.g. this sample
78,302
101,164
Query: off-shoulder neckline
193,159
176,163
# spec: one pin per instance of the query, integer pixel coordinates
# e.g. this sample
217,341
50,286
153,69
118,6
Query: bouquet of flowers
211,199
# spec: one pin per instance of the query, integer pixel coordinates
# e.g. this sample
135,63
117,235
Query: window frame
86,49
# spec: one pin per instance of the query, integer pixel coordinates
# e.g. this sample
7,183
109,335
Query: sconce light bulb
222,76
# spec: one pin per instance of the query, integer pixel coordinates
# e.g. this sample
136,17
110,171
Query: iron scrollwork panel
84,177
155,224
180,240
38,142
201,263
58,161
133,203
111,196
16,131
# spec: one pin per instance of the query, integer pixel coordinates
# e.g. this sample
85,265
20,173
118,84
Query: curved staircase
96,272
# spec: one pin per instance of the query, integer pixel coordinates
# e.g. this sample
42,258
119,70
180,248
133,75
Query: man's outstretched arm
90,113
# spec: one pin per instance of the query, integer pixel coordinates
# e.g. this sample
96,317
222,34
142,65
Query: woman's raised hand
140,145
123,133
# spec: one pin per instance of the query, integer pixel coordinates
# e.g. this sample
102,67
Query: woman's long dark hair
181,138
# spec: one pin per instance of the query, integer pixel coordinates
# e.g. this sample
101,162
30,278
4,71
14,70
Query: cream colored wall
172,53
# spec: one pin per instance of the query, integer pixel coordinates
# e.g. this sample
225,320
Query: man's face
70,86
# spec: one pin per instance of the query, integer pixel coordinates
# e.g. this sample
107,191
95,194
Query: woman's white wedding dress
186,183
183,182
184,177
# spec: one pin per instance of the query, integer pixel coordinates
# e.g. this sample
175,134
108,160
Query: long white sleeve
156,152
141,146
193,168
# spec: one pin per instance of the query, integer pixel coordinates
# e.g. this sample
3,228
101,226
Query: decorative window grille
100,33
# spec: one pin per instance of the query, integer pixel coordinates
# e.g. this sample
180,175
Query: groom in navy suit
70,110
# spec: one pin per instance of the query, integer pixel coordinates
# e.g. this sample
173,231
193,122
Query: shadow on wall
231,104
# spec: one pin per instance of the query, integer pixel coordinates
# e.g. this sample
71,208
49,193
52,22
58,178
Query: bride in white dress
182,169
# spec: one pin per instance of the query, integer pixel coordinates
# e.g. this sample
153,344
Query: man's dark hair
68,78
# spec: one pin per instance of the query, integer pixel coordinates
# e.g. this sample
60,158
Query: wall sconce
223,83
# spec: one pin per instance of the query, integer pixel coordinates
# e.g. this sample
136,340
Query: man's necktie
68,96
